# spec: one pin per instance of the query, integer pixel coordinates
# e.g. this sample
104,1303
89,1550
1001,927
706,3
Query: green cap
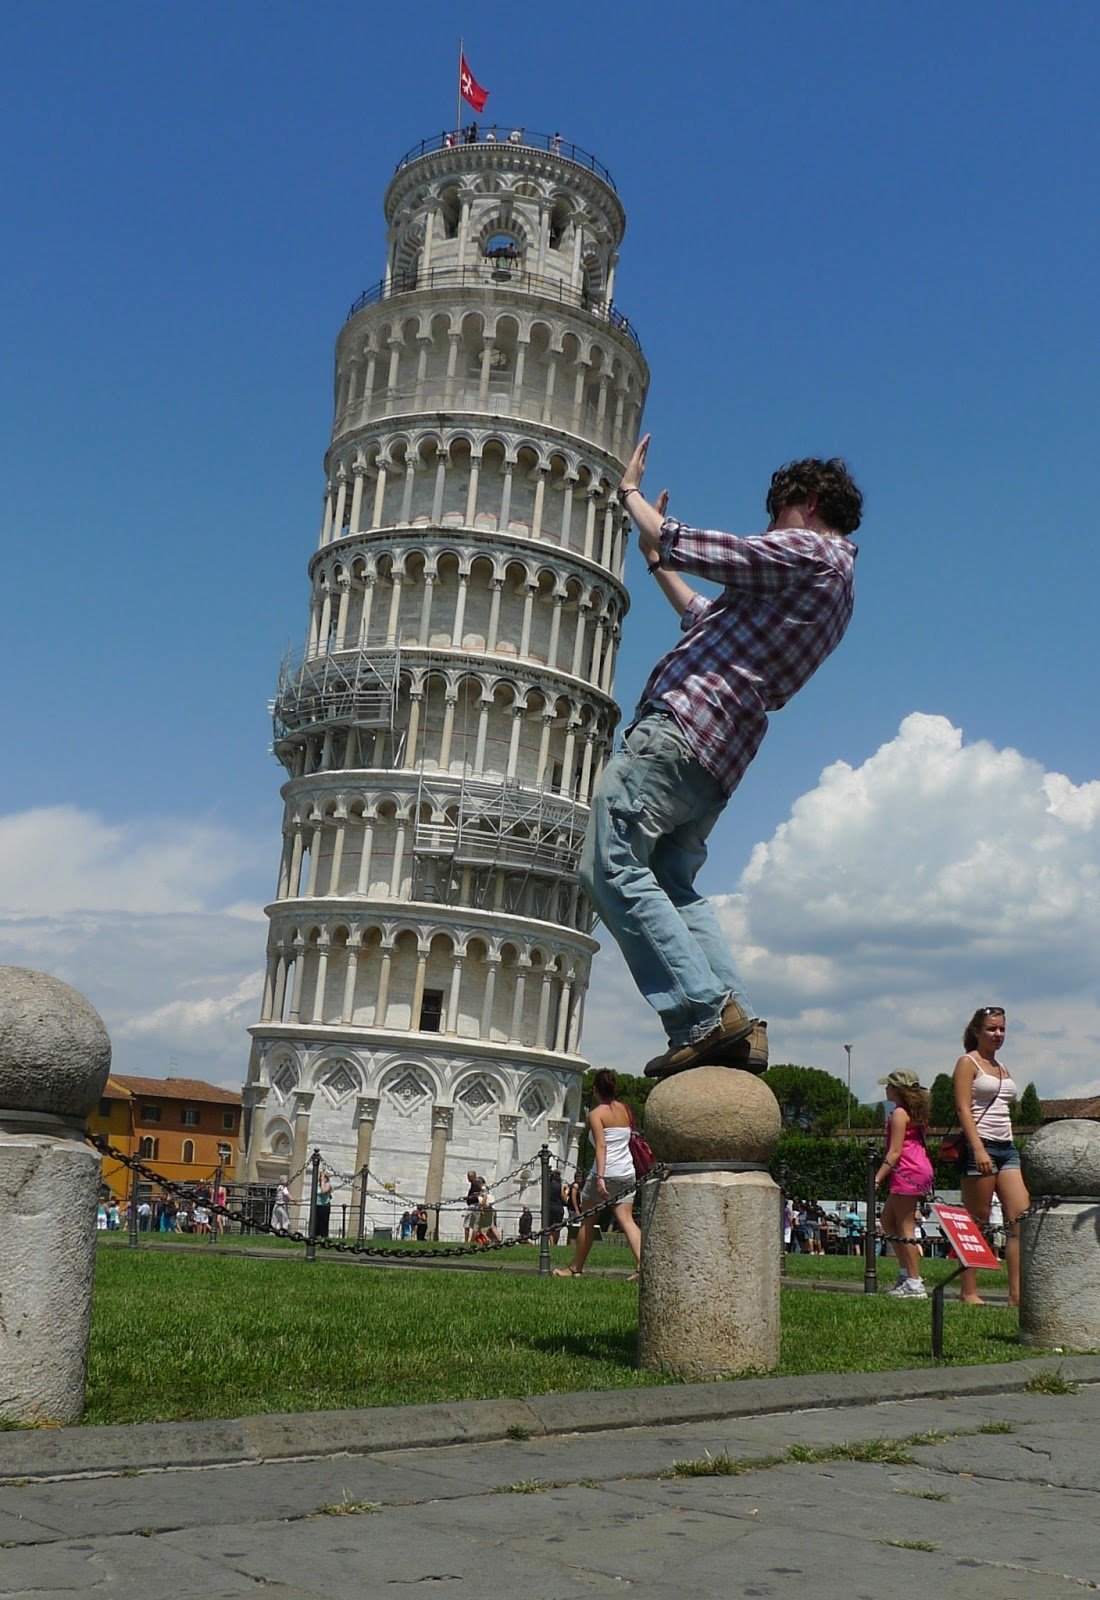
900,1078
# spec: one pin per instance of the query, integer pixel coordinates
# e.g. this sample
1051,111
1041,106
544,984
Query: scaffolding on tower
347,688
496,824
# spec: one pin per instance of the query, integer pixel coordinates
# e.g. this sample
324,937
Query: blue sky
852,229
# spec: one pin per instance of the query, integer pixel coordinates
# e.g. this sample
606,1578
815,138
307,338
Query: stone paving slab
1018,1521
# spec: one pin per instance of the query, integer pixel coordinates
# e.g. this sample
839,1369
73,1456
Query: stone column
442,1119
710,1267
254,1098
303,1105
426,609
362,882
54,1059
337,853
492,968
1060,1247
558,1132
497,586
358,474
347,1007
506,1144
366,1115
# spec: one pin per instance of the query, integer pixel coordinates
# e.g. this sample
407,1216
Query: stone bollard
54,1059
709,1299
1060,1248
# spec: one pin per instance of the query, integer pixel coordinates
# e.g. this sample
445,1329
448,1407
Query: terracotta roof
113,1090
1058,1110
177,1089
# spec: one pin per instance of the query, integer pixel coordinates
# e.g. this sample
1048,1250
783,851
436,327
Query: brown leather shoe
720,1044
751,1054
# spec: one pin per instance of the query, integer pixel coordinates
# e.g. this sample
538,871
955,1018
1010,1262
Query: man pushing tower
786,601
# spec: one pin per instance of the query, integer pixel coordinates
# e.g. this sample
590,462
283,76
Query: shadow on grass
618,1347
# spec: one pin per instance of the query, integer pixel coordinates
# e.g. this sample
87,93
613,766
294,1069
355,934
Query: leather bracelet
654,566
631,488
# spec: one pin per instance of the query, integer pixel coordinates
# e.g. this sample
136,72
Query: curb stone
41,1454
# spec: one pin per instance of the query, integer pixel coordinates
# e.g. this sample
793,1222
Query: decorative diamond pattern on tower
450,713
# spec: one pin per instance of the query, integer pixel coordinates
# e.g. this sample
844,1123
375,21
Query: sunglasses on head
991,1011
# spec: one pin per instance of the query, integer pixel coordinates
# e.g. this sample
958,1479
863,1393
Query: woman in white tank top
611,1177
990,1163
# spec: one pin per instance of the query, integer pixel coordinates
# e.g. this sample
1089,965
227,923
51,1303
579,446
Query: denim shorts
1002,1152
616,1188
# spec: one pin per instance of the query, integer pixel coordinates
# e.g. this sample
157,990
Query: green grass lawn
190,1332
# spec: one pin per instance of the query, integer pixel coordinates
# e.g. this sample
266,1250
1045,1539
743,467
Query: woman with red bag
989,1162
611,1177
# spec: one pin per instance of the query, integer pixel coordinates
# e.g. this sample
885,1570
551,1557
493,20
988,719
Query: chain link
655,1175
341,1246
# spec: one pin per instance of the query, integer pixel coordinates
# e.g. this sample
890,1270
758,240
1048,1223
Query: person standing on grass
280,1214
322,1211
611,1179
989,1163
786,600
473,1206
908,1170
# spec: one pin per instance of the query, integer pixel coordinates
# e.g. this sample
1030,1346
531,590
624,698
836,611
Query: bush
810,1167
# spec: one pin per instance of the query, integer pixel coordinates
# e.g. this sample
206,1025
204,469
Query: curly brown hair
915,1101
839,501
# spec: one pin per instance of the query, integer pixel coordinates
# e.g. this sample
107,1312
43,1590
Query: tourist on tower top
786,601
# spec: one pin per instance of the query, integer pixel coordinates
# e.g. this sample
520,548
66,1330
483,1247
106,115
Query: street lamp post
848,1053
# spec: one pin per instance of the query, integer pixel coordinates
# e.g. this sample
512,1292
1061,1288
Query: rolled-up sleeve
763,564
693,613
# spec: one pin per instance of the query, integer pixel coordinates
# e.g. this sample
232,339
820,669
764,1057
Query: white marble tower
442,730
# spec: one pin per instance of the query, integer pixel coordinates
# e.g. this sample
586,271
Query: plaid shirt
786,601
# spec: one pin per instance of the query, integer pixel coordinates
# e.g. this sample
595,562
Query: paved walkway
998,1502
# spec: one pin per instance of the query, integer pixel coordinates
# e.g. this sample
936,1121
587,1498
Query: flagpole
458,100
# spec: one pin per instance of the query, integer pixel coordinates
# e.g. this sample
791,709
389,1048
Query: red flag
469,88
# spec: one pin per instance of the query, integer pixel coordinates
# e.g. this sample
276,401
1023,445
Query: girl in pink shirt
909,1170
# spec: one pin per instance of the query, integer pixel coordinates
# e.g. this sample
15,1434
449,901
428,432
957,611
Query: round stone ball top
1063,1158
713,1114
54,1050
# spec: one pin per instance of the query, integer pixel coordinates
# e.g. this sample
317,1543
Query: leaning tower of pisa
452,708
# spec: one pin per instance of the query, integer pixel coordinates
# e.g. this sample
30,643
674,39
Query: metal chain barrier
450,1251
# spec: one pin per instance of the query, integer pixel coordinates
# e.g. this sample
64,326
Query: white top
989,1100
620,1163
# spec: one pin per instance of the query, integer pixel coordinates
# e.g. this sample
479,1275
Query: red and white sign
966,1237
469,88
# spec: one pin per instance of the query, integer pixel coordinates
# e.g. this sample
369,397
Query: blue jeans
646,842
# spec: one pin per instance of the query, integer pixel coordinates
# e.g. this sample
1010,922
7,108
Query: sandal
632,1277
568,1272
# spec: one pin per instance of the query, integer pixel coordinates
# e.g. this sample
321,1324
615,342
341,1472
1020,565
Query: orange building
183,1127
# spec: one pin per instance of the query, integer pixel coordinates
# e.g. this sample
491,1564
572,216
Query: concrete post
54,1059
1060,1247
709,1303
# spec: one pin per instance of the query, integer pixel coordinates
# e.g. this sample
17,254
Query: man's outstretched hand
635,467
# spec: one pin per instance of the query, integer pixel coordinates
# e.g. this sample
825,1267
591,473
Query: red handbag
640,1153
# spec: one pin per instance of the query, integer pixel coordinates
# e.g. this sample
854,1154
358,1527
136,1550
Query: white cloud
145,918
57,859
901,894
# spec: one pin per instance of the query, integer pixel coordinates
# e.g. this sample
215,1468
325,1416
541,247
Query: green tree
809,1099
941,1106
1029,1112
